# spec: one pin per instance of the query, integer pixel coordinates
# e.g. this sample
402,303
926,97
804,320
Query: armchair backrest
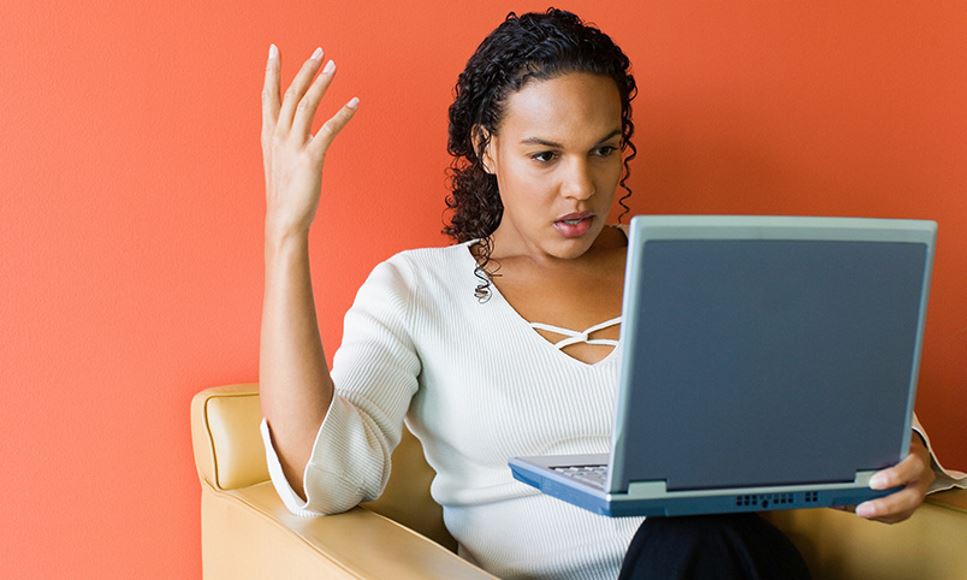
229,454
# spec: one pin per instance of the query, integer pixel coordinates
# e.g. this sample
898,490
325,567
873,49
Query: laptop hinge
648,489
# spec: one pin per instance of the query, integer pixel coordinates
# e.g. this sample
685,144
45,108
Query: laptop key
593,475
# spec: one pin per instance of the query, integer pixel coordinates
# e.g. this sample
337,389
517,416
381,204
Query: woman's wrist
279,232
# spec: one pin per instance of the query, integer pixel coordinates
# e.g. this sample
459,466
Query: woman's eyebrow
546,143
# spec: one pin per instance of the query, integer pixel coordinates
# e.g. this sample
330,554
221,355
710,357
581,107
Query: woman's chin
571,248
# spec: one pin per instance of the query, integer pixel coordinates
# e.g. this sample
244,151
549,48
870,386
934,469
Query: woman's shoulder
431,258
414,278
416,281
427,267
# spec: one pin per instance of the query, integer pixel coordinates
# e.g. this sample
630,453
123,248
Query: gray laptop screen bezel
644,229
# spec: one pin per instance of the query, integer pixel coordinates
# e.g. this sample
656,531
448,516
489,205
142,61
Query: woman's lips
574,230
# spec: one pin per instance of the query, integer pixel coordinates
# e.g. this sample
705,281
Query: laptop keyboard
593,475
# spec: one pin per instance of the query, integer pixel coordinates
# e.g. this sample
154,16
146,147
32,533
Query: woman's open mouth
574,228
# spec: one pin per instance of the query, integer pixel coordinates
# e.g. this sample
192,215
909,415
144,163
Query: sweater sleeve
375,374
946,478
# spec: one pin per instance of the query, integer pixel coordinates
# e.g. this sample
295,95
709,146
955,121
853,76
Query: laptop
767,363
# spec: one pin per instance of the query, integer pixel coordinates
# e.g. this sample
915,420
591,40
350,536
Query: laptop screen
769,362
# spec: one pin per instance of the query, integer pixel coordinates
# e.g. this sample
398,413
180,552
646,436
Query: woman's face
556,155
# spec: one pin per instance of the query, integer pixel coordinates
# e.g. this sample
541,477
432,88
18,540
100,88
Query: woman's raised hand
292,156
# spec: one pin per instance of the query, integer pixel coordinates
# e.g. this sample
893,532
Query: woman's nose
577,181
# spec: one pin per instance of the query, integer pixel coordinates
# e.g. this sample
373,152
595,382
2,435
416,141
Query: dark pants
728,546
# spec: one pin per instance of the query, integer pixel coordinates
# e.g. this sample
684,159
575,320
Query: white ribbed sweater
477,385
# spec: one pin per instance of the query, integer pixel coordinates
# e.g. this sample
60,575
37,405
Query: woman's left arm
919,473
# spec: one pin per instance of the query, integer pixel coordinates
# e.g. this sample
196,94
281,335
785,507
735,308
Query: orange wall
131,205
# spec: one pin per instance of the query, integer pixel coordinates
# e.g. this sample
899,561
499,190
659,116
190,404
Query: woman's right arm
294,383
295,386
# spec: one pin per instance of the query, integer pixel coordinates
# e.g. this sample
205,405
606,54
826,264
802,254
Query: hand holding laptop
913,473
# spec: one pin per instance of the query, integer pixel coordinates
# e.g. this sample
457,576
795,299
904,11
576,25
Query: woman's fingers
324,136
895,507
914,467
306,109
270,93
295,91
910,469
913,473
293,159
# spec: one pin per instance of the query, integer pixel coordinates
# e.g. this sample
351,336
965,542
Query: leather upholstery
226,433
840,545
247,531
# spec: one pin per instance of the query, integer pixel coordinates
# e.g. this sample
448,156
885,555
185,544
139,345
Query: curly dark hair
530,46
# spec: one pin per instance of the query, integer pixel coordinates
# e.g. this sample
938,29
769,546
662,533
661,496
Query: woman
483,347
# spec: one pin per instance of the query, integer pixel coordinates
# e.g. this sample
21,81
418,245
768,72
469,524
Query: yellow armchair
246,531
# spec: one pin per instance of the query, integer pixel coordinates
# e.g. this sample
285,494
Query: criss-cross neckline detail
576,336
573,336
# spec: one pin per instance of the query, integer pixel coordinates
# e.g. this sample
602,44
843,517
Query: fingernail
877,482
273,52
317,54
865,510
353,103
330,66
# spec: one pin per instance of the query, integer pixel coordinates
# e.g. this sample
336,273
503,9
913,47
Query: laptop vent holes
765,499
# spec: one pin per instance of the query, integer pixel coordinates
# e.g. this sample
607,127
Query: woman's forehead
572,105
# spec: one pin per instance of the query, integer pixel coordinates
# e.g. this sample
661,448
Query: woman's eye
543,156
606,150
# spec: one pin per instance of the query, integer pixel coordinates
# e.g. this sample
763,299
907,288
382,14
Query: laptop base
624,505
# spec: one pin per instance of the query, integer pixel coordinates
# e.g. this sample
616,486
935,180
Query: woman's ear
477,135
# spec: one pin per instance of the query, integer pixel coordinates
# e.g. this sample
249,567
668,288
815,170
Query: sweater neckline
526,325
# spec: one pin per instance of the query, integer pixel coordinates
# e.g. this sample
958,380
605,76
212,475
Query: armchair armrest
225,436
951,499
840,545
248,533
